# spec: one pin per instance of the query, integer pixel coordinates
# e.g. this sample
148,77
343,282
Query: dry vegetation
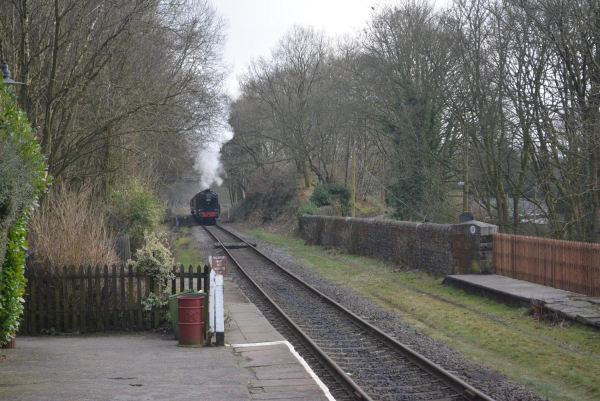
71,230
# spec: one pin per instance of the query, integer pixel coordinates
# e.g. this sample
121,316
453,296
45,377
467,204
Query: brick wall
424,246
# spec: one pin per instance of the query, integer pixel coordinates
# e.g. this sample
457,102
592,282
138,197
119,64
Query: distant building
529,212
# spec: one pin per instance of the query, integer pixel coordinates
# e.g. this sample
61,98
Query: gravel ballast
475,374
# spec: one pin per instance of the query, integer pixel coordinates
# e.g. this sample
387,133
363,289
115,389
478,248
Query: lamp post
466,215
6,75
465,196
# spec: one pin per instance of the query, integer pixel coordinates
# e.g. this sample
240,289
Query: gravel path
439,352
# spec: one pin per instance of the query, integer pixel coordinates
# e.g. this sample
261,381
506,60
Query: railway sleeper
234,245
346,358
383,375
408,389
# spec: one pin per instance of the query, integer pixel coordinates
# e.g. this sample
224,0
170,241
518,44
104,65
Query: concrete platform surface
279,372
258,364
119,366
571,305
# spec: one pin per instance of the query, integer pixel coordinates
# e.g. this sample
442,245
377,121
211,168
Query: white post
219,310
211,301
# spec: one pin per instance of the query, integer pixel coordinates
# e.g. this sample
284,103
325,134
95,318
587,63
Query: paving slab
150,366
119,366
571,305
279,373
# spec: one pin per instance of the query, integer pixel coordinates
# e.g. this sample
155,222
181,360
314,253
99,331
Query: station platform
257,364
279,372
570,305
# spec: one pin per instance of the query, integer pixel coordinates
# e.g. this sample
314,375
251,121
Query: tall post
465,199
353,183
216,311
466,173
211,300
219,311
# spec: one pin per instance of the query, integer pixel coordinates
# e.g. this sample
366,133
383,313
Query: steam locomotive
205,207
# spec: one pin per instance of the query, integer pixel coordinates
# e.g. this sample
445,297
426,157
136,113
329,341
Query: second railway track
364,362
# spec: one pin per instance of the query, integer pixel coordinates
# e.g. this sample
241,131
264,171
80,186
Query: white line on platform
298,357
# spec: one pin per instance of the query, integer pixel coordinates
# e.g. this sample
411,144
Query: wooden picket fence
568,265
86,299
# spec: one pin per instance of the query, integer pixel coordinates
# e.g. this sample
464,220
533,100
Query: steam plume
208,161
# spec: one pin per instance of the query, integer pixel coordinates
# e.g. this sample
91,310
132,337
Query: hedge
23,179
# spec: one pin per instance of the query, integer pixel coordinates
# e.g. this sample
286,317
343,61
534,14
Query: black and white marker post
218,264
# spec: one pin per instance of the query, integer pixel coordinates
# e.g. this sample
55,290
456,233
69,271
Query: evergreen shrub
328,194
138,209
320,196
155,260
307,208
335,195
23,179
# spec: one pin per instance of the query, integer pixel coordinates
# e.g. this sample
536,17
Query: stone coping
578,307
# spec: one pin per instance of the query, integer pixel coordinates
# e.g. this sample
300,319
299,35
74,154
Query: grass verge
185,249
561,362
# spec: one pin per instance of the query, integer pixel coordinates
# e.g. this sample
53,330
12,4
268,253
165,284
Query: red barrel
191,322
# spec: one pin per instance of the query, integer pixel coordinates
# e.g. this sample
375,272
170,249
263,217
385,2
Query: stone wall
473,247
424,246
418,245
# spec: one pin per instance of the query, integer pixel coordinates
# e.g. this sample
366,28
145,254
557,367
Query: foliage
320,197
49,332
371,207
71,229
327,194
307,208
138,210
334,194
155,260
12,280
16,132
271,194
104,112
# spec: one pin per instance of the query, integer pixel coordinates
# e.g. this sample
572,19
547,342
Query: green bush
23,180
332,194
307,208
155,260
320,196
339,192
138,210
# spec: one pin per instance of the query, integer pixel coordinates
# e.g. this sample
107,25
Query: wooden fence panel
568,265
88,299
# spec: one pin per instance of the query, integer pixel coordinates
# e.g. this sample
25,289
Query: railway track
354,359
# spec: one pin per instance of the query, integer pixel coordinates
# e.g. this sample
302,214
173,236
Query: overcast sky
255,26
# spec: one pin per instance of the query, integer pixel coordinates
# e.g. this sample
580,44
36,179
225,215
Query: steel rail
463,388
466,390
350,386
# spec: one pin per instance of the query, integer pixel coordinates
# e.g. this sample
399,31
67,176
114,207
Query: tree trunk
24,62
49,115
307,181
